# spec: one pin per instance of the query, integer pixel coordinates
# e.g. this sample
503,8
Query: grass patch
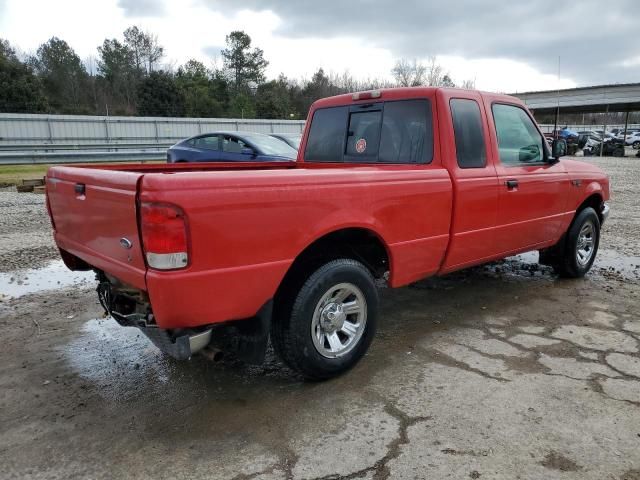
14,174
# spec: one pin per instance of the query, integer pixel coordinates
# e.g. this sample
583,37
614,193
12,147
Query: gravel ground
499,372
25,231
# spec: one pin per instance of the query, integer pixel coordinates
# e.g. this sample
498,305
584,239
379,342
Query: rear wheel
581,245
325,325
636,145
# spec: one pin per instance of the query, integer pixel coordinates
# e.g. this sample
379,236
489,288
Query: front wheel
325,326
581,245
636,145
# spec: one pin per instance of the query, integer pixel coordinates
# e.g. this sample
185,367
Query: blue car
231,147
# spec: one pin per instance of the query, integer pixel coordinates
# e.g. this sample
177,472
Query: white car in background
633,138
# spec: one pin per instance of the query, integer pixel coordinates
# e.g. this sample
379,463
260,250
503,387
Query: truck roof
399,93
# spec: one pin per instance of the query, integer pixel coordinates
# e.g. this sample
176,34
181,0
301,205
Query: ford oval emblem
125,243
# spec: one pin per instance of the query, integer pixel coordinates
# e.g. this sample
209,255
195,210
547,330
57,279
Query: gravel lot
498,372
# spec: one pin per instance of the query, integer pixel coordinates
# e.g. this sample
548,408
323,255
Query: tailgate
95,217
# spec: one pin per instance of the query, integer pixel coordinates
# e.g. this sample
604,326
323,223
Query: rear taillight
164,236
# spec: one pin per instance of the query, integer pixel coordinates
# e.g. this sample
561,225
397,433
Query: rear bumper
181,347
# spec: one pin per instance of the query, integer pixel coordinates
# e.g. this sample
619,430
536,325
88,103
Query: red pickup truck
390,186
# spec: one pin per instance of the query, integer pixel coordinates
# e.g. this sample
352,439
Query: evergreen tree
20,90
159,95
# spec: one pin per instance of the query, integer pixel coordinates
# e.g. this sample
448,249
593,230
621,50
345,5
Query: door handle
511,184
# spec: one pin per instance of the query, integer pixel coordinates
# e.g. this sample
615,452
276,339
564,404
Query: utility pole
555,127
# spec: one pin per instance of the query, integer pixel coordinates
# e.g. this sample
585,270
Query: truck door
474,178
533,191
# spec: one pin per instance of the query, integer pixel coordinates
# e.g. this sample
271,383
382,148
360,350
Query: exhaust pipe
212,354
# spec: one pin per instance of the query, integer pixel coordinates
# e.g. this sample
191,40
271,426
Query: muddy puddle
117,360
56,275
53,276
608,263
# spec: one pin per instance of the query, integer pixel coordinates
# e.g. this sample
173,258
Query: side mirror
248,151
558,148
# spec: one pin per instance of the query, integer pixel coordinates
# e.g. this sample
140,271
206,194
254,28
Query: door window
467,125
519,141
210,142
233,145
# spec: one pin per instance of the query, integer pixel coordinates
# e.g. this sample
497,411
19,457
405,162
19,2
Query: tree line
128,77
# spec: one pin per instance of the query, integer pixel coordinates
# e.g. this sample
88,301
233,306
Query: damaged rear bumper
130,307
181,347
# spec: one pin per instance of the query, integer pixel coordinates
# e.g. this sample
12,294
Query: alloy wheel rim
586,243
339,320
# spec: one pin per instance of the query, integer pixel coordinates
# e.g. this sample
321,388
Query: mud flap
254,336
248,338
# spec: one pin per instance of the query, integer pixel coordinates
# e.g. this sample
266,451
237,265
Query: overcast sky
505,45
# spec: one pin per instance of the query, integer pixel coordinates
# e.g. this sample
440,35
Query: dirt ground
498,372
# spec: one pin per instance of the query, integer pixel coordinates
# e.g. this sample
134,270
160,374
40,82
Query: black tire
291,328
568,264
636,145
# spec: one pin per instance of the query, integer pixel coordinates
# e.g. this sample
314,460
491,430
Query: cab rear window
383,132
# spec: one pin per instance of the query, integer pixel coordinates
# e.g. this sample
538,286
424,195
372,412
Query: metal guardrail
27,158
52,147
42,139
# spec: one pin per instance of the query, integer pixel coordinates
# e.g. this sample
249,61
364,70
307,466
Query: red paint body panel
247,223
279,213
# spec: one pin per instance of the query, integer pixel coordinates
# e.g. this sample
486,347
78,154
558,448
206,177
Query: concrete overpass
623,97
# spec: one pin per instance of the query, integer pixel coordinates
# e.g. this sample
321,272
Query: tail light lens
164,236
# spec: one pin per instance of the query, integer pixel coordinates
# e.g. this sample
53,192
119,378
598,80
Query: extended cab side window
384,132
327,134
467,126
519,141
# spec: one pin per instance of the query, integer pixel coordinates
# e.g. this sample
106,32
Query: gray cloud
592,37
142,8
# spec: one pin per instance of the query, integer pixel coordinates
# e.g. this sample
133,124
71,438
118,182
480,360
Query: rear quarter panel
246,229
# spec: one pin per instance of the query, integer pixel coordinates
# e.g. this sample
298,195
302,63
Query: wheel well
356,243
594,201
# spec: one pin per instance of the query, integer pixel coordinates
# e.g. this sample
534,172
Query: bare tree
145,47
409,74
435,73
469,84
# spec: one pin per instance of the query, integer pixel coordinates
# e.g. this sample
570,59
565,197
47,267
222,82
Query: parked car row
593,142
235,147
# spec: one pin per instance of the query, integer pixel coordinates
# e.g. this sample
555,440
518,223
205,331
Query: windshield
272,146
